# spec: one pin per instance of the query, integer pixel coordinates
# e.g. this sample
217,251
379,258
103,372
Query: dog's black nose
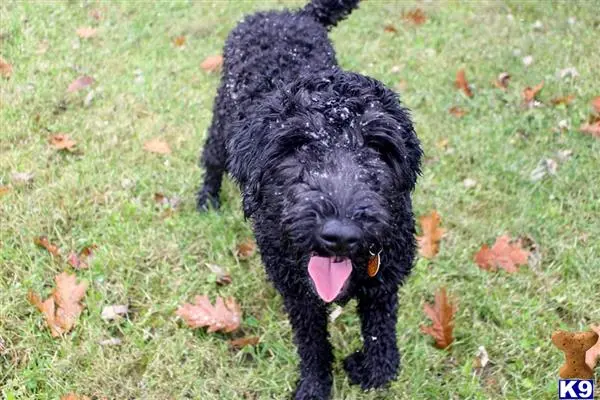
340,236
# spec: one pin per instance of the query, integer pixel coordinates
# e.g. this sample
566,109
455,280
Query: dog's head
335,155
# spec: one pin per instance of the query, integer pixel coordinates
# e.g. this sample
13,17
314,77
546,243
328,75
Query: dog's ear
391,133
244,162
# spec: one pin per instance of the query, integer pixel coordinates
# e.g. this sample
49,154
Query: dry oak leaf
596,104
246,249
83,259
80,83
43,241
429,243
592,356
224,316
503,254
441,314
158,146
63,307
529,93
591,129
502,81
212,63
244,341
566,100
86,32
73,396
415,16
462,84
179,41
62,142
457,112
390,28
5,68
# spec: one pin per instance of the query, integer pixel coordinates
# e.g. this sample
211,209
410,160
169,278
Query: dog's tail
330,12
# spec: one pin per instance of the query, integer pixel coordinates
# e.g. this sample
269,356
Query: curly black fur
308,142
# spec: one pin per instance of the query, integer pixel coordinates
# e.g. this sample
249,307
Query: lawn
154,259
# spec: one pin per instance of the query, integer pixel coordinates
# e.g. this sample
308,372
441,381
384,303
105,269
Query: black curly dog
326,160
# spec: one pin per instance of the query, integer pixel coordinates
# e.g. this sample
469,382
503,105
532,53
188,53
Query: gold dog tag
373,266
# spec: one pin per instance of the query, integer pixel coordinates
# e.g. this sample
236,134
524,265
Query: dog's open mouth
329,275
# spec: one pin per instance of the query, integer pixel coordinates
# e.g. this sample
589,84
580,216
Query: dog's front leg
377,363
309,322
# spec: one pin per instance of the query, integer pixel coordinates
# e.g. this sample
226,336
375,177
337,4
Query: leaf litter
42,241
62,141
441,314
62,309
429,242
462,84
505,254
80,83
224,316
157,146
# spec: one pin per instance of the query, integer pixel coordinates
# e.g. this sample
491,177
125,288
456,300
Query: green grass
104,195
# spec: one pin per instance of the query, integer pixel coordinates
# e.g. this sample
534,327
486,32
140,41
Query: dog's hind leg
378,361
309,322
214,159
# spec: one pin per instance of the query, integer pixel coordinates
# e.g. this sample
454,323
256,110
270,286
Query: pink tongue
329,276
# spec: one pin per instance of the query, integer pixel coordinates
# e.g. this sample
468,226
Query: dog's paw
370,373
313,389
206,201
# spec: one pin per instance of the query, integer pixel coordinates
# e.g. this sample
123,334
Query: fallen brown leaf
390,28
441,314
223,316
80,83
62,142
429,243
596,104
63,307
163,200
462,84
4,190
457,111
563,100
243,342
592,356
503,254
502,81
43,241
86,32
73,396
5,68
246,249
591,129
158,146
179,41
529,93
223,278
83,259
212,63
95,14
415,16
